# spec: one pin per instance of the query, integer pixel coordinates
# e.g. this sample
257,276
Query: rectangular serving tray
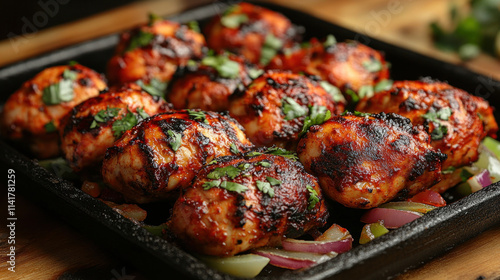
387,256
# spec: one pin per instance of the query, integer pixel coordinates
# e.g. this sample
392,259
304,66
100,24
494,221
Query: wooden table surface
47,248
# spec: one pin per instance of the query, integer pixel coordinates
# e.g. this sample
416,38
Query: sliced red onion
292,260
429,197
392,218
334,233
480,181
319,247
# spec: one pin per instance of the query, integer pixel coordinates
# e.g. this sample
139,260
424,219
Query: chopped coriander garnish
126,123
317,115
313,197
333,91
59,92
229,171
448,170
224,66
354,96
142,113
253,154
50,127
292,109
263,164
175,140
439,132
442,114
193,25
244,166
233,20
372,65
265,188
282,152
211,184
104,116
273,181
365,91
155,87
234,149
141,39
198,115
383,85
73,63
232,186
254,73
153,18
270,48
360,114
330,41
69,75
214,161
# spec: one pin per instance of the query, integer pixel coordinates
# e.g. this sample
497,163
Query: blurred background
458,31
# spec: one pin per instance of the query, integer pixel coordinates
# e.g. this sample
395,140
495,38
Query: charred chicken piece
33,113
162,154
364,161
209,86
346,65
274,107
241,203
94,125
455,120
252,31
153,52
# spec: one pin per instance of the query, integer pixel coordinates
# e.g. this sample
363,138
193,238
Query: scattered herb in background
50,127
155,87
60,92
471,33
292,109
224,66
270,48
141,39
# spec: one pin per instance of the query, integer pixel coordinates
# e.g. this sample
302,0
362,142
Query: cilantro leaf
273,181
439,132
198,115
142,113
292,109
234,187
270,48
233,20
154,88
50,127
229,171
265,188
141,39
175,139
234,149
59,92
329,41
193,25
224,66
282,152
211,184
317,115
333,91
244,166
263,164
383,85
253,154
313,197
354,96
124,124
69,75
104,116
372,65
366,91
254,73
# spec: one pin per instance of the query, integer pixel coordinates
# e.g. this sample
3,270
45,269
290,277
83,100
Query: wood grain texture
47,248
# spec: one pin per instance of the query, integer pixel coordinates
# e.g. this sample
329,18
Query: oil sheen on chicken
241,203
153,52
346,65
162,154
273,108
33,113
94,125
364,161
207,88
456,120
247,29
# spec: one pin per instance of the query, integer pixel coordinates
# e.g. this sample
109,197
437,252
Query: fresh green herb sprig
436,117
60,92
104,115
233,20
313,197
292,109
154,88
224,66
317,115
139,40
270,48
199,116
175,140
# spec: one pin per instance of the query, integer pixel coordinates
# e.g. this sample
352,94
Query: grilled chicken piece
363,162
32,114
161,155
241,203
209,86
252,31
273,108
92,126
456,120
152,52
346,65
